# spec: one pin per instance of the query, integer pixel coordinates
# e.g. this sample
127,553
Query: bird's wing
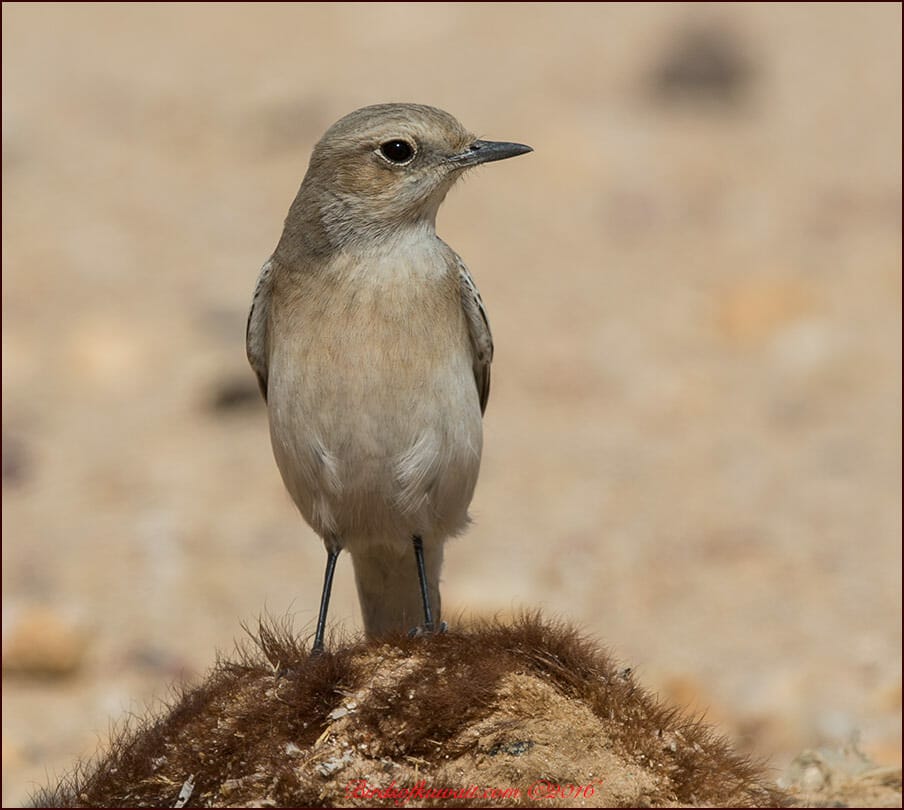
479,329
257,337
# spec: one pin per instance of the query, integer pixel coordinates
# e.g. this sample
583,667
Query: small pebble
40,643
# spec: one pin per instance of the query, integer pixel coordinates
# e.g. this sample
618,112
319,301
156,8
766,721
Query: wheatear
373,351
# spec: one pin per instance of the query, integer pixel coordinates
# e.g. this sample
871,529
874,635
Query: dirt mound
494,715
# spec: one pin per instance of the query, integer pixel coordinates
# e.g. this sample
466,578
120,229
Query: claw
425,630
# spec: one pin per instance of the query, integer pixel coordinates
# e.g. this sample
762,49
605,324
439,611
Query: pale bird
372,349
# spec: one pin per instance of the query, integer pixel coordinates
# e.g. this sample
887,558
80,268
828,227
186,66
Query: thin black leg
332,556
422,577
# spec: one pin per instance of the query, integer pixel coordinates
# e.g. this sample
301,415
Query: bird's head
386,167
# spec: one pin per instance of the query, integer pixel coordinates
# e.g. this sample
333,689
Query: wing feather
479,329
257,330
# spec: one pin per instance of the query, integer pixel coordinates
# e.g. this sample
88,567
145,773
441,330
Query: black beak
488,151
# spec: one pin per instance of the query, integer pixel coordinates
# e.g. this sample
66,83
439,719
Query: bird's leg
332,555
422,578
425,596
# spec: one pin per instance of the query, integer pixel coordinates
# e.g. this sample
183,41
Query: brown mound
521,715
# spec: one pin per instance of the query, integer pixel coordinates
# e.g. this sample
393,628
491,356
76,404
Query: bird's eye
397,151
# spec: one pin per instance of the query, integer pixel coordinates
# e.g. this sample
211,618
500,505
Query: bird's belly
377,432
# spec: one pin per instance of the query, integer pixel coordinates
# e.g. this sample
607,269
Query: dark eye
397,151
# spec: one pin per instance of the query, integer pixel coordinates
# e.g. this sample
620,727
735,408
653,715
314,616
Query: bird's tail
389,589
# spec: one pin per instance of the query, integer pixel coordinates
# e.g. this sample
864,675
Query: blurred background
693,444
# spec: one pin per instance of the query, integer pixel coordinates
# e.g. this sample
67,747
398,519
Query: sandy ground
693,444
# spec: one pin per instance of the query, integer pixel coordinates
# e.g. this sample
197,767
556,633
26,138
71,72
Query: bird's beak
488,151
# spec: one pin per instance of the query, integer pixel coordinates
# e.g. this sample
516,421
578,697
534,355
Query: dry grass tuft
489,707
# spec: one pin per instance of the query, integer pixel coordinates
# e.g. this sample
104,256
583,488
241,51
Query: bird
372,350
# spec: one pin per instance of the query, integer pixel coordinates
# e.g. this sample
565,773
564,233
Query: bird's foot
428,630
